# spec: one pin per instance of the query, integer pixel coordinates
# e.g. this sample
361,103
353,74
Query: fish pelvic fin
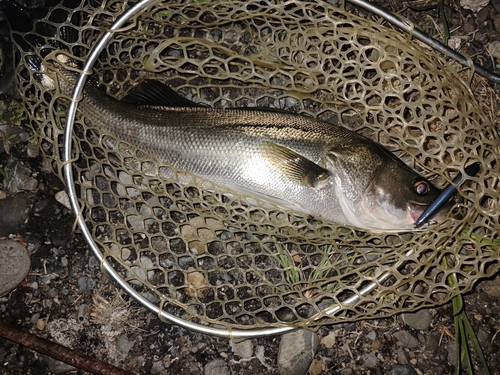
294,166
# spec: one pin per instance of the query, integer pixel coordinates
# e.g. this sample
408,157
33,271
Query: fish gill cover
206,256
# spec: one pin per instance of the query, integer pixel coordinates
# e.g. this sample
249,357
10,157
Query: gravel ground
67,299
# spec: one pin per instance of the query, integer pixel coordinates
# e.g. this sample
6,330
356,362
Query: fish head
376,190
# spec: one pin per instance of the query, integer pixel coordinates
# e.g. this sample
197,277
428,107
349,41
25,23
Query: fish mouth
416,210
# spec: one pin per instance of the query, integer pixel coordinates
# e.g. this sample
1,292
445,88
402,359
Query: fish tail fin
35,38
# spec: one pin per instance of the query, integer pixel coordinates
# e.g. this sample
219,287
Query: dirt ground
67,299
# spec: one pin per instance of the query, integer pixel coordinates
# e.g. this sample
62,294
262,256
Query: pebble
243,349
401,370
15,263
216,367
370,360
402,356
329,340
452,352
125,343
474,5
21,179
85,284
58,367
491,287
371,335
34,318
420,320
157,368
14,211
296,352
496,5
63,198
405,339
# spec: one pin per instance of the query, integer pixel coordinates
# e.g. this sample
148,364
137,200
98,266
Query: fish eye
421,187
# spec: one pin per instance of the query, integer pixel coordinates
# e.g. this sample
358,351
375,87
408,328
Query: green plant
464,332
7,138
3,173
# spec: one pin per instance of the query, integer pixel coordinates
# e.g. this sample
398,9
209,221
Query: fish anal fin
293,165
155,93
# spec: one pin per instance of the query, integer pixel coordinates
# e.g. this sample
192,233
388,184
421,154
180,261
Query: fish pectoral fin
293,165
155,93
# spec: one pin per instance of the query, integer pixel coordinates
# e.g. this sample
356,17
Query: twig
59,352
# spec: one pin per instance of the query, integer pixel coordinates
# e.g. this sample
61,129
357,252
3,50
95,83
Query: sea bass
297,162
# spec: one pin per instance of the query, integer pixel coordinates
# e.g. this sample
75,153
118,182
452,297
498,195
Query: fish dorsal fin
293,165
155,93
263,109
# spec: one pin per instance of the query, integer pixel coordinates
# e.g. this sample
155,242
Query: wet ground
66,298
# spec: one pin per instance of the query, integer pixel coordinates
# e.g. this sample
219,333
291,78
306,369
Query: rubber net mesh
205,257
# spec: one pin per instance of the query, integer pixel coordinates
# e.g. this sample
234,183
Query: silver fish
297,162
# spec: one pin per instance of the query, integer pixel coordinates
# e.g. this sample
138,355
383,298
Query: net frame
67,168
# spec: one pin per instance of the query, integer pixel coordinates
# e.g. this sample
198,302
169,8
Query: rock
296,352
329,340
216,367
85,284
58,367
63,198
491,287
494,48
15,263
370,360
420,320
125,343
14,213
496,5
474,5
402,356
243,349
19,177
405,339
401,370
432,343
157,368
371,335
451,348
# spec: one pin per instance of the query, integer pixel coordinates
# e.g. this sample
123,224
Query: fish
299,163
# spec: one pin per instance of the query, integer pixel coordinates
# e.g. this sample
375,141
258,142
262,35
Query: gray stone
85,284
15,263
157,368
403,357
405,339
243,349
371,335
496,5
58,367
329,340
474,5
370,360
420,320
125,343
494,48
491,287
451,348
216,367
296,352
401,370
14,213
19,177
